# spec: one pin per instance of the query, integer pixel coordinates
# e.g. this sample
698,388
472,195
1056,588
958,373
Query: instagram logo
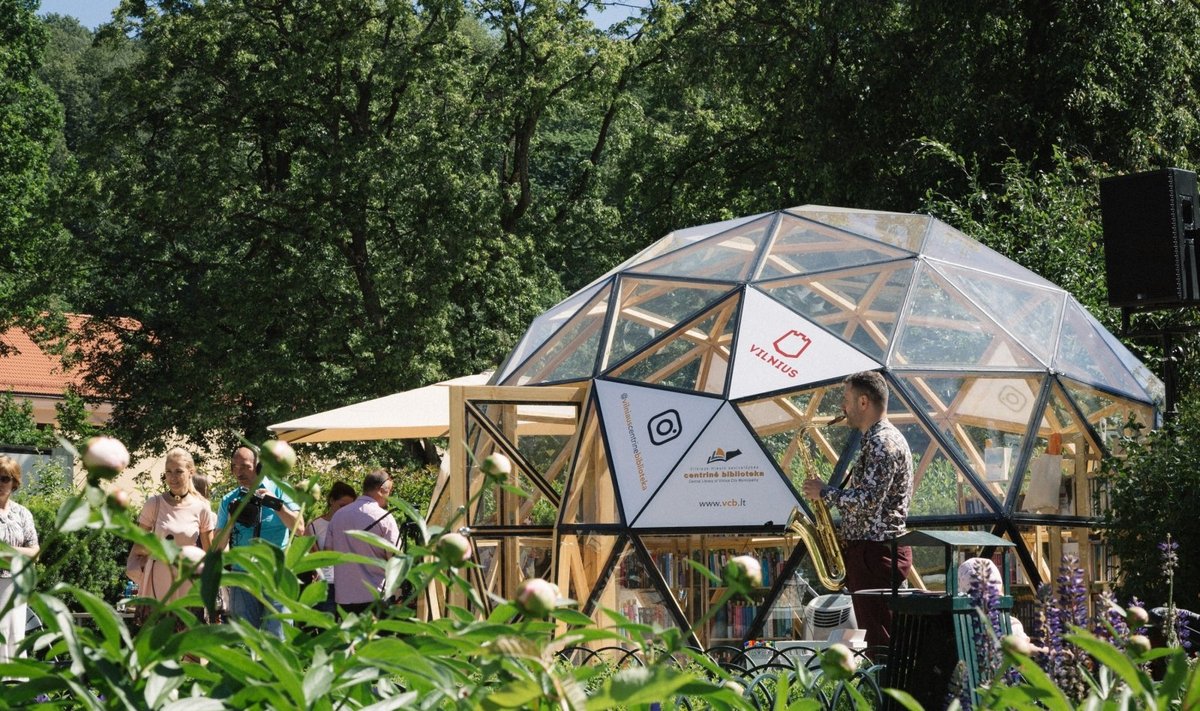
664,427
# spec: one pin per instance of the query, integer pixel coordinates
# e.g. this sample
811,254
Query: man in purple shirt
874,502
358,584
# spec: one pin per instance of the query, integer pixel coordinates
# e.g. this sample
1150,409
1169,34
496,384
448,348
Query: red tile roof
28,370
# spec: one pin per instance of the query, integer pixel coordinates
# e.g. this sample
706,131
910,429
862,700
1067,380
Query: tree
325,201
30,236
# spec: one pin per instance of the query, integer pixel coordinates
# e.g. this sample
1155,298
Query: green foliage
1153,489
91,560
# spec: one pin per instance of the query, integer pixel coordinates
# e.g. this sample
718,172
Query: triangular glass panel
647,308
1029,312
678,239
694,356
1108,414
729,256
590,496
571,352
777,349
502,563
1085,354
860,306
944,328
510,420
545,326
795,429
949,245
902,230
496,505
725,479
582,560
982,418
1049,486
648,431
635,588
802,246
940,489
733,622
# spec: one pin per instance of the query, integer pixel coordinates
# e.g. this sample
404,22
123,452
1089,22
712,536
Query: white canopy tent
412,414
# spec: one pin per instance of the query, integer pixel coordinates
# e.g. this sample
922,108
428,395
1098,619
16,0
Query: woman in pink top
179,514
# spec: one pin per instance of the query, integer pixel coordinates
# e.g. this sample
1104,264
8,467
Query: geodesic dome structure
708,370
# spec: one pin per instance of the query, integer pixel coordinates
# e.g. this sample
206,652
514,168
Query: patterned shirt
875,504
16,529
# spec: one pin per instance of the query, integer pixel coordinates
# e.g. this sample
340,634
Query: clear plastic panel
637,593
729,256
571,353
901,230
1029,312
648,308
591,496
545,326
732,622
582,559
1108,414
943,328
795,429
802,246
860,306
948,244
694,357
1084,354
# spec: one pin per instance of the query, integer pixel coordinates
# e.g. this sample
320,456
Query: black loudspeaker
1149,226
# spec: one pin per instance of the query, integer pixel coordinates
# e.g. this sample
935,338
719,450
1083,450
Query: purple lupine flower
1171,622
1108,611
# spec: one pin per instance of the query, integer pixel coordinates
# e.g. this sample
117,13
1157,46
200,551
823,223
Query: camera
251,513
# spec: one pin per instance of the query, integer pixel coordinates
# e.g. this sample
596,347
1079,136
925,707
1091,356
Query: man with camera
257,509
358,584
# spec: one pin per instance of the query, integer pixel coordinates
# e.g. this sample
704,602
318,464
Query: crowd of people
255,509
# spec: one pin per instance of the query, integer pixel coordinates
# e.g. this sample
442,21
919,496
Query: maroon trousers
869,567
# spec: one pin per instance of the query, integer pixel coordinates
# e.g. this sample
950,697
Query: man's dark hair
340,490
374,481
871,384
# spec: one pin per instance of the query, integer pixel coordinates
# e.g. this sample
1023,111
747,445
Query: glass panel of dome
1030,313
950,245
498,506
694,356
729,256
543,327
1040,489
795,429
649,307
1085,355
732,623
1143,375
591,496
582,559
860,306
802,246
571,353
636,589
943,328
901,230
1108,414
983,419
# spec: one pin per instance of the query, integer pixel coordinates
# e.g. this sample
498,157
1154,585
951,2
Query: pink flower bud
537,597
1139,643
496,466
454,548
743,572
1137,616
119,498
734,686
194,555
278,457
838,662
104,457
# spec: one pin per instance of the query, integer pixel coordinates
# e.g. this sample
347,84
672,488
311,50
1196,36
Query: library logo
721,455
664,427
1012,398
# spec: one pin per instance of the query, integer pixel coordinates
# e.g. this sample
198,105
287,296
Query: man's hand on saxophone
812,488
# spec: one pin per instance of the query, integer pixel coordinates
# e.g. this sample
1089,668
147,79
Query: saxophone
819,535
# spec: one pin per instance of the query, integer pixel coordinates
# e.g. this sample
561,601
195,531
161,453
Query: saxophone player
874,504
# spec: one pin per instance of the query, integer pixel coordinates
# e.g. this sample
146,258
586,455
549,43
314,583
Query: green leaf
1111,657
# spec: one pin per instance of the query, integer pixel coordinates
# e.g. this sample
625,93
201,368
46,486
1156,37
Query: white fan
826,613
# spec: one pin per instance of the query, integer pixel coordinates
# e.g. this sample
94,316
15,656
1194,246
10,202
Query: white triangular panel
648,430
725,479
778,349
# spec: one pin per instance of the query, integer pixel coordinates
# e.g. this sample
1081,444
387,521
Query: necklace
177,497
